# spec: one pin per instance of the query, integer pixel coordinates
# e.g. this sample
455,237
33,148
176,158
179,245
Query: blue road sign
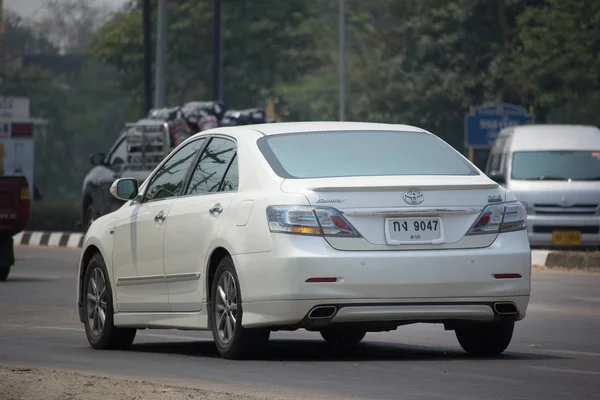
484,123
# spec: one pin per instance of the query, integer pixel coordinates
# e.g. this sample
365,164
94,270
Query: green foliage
264,42
421,62
556,59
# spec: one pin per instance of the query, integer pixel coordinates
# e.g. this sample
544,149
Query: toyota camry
336,227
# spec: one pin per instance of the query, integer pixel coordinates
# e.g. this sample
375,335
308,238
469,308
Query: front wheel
232,340
98,310
343,337
482,339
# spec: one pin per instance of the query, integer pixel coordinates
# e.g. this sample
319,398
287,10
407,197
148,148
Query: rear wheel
232,340
485,338
343,336
98,310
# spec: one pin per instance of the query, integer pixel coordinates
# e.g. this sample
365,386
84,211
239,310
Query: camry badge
413,197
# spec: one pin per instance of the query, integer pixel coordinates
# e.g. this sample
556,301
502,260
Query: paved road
555,353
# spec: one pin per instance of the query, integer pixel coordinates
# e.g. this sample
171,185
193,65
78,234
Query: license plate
566,238
413,230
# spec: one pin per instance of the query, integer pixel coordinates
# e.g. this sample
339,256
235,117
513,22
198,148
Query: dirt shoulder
38,384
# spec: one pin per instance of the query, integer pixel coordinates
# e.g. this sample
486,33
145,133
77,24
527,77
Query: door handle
217,209
160,217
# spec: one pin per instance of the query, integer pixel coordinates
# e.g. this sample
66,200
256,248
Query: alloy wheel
226,307
96,302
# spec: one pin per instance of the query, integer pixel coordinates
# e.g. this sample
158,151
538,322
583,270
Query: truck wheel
7,256
4,271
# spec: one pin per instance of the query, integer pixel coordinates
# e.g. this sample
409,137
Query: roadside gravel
41,384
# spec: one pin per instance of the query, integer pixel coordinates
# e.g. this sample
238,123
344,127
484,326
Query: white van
555,171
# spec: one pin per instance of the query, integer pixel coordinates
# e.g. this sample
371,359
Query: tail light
306,220
495,218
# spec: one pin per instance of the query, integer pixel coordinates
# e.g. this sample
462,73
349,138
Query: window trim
235,156
143,199
113,151
197,160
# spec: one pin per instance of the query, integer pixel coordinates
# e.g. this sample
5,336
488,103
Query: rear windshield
556,165
361,153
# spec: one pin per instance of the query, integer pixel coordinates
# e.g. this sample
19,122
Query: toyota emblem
413,197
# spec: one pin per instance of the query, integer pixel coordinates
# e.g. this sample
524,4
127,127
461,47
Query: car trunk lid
404,212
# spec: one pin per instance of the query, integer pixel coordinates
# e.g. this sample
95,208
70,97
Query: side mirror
97,159
498,177
124,189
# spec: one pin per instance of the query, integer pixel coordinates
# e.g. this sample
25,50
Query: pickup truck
14,215
135,154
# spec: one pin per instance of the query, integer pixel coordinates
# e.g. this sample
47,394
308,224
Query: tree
265,42
71,24
556,59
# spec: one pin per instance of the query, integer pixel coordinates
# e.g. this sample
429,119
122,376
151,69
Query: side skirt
165,320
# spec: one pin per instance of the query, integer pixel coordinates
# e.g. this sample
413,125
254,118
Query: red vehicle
14,215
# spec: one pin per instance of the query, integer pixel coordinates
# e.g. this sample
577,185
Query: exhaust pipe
322,312
506,308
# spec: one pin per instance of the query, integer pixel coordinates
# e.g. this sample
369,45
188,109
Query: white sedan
340,228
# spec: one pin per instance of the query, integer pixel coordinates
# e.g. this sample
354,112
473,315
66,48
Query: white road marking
573,371
17,238
54,239
74,239
575,353
587,299
35,239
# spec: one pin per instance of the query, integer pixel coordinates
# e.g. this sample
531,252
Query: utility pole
147,57
2,57
216,39
161,54
342,55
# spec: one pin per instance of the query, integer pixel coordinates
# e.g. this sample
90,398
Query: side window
119,155
169,179
231,180
212,166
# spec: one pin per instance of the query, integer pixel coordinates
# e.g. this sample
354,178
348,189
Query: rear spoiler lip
470,186
391,211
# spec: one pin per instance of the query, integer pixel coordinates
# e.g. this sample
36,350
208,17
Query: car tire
89,217
98,310
4,272
485,339
231,339
343,336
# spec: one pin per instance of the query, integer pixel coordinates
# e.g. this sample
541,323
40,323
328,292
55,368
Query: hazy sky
29,8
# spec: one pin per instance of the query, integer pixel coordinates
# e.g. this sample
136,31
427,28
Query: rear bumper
540,228
295,313
275,291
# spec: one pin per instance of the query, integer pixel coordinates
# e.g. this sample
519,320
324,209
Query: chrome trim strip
412,210
414,313
471,186
140,280
188,276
